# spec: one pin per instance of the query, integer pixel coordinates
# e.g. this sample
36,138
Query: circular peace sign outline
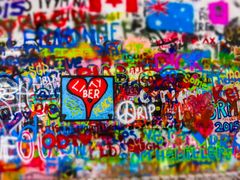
123,118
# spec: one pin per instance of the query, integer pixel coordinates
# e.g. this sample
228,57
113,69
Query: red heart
90,92
85,138
204,127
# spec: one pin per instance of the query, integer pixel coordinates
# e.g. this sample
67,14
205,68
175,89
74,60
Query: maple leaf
114,2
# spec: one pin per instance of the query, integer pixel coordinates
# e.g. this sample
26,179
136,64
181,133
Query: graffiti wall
107,89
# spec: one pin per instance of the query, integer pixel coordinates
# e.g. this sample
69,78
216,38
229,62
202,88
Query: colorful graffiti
105,89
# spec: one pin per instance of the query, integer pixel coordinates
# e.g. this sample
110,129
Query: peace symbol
123,112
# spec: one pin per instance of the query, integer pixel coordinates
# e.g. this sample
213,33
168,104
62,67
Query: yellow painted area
84,50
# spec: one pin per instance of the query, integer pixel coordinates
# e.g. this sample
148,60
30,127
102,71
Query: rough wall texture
119,89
